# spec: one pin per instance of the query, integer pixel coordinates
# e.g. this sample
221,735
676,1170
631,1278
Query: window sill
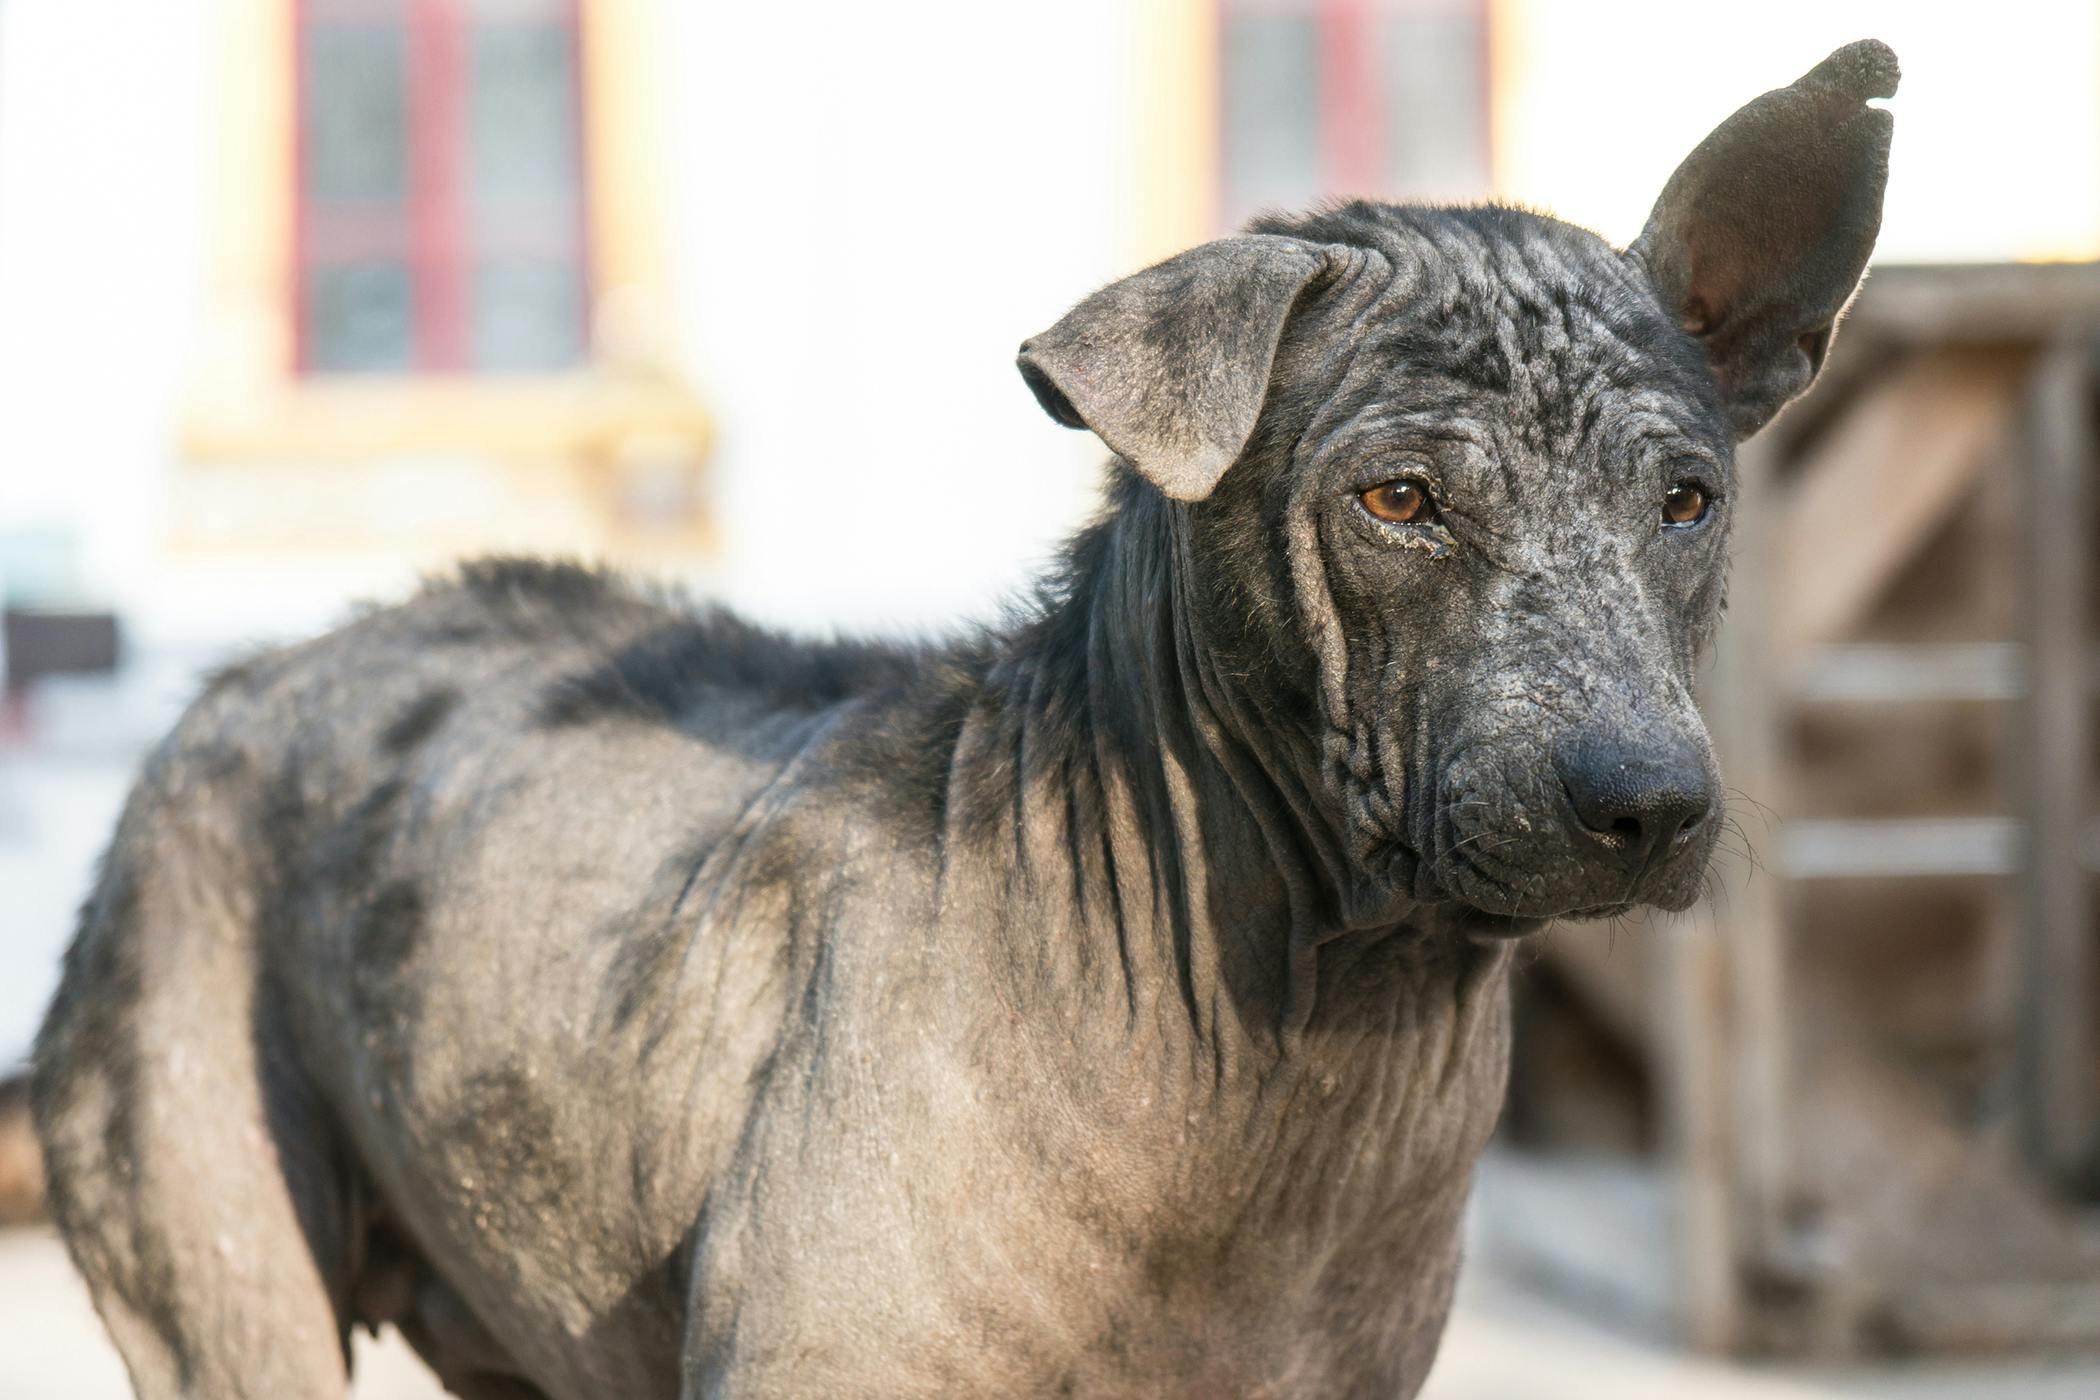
601,415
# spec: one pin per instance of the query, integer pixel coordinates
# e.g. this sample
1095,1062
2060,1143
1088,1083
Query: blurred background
300,299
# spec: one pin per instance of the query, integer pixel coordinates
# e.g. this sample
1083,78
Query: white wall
874,207
102,120
1997,148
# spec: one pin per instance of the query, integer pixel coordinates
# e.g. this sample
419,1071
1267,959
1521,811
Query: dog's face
1501,521
1459,485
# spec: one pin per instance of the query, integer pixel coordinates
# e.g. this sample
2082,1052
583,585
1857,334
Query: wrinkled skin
622,1001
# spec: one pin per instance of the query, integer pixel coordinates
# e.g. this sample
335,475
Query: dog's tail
21,1160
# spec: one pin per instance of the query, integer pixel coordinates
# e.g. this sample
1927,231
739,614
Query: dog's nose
1637,801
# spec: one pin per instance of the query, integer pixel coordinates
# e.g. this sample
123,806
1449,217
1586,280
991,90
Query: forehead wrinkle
1334,415
1530,342
1575,339
1383,426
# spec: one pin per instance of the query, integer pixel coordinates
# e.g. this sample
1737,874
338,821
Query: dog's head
1455,488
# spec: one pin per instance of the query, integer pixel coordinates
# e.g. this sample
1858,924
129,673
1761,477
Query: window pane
524,193
441,214
528,314
1436,104
1272,112
359,317
523,112
355,81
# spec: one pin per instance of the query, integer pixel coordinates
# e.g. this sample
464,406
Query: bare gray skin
625,1002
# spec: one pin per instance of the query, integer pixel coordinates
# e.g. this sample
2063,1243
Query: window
440,220
1382,98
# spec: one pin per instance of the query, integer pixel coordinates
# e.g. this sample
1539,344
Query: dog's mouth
1490,926
1492,908
1485,926
1489,901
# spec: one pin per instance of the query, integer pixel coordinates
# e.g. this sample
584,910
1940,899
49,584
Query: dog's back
293,1036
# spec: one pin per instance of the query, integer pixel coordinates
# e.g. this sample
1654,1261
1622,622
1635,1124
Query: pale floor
1504,1344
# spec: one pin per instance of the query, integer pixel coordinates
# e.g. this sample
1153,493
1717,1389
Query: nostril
1695,810
1628,827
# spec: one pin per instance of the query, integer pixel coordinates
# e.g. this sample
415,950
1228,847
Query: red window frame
440,249
1352,89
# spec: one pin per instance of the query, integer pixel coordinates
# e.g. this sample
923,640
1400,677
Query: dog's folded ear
1170,366
1761,236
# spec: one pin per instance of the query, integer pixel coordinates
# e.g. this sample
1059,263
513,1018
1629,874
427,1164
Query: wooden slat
1721,1065
1692,1074
1899,847
21,1161
1898,675
1744,711
1975,302
1878,483
2056,1050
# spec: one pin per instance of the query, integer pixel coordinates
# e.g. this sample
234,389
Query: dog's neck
1156,812
1272,1085
1202,764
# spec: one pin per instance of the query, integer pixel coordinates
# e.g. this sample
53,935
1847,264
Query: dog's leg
191,1169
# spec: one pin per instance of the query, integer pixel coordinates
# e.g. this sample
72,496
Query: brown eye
1684,504
1399,502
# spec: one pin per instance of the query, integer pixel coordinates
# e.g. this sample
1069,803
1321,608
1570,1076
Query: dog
621,1000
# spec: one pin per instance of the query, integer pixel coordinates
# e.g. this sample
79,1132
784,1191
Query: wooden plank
1692,1076
1975,302
21,1161
1720,1064
1897,673
1882,674
1898,847
1746,716
1906,847
1877,484
2056,1051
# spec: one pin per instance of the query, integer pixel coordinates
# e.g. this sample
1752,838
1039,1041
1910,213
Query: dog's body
625,1002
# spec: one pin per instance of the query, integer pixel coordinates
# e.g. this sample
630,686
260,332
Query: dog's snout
1638,802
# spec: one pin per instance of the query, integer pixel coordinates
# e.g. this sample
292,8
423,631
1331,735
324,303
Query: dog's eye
1685,503
1400,503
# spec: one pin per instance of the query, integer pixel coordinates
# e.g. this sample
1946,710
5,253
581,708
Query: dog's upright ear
1170,366
1761,236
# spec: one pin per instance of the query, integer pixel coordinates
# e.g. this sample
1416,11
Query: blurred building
326,291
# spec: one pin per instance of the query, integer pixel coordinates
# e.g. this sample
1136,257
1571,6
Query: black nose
1638,800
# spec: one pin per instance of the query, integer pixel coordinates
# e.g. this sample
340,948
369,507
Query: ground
1505,1343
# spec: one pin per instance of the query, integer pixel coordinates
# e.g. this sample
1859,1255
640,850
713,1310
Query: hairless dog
624,1001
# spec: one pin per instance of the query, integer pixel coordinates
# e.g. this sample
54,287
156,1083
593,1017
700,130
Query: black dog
623,1001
